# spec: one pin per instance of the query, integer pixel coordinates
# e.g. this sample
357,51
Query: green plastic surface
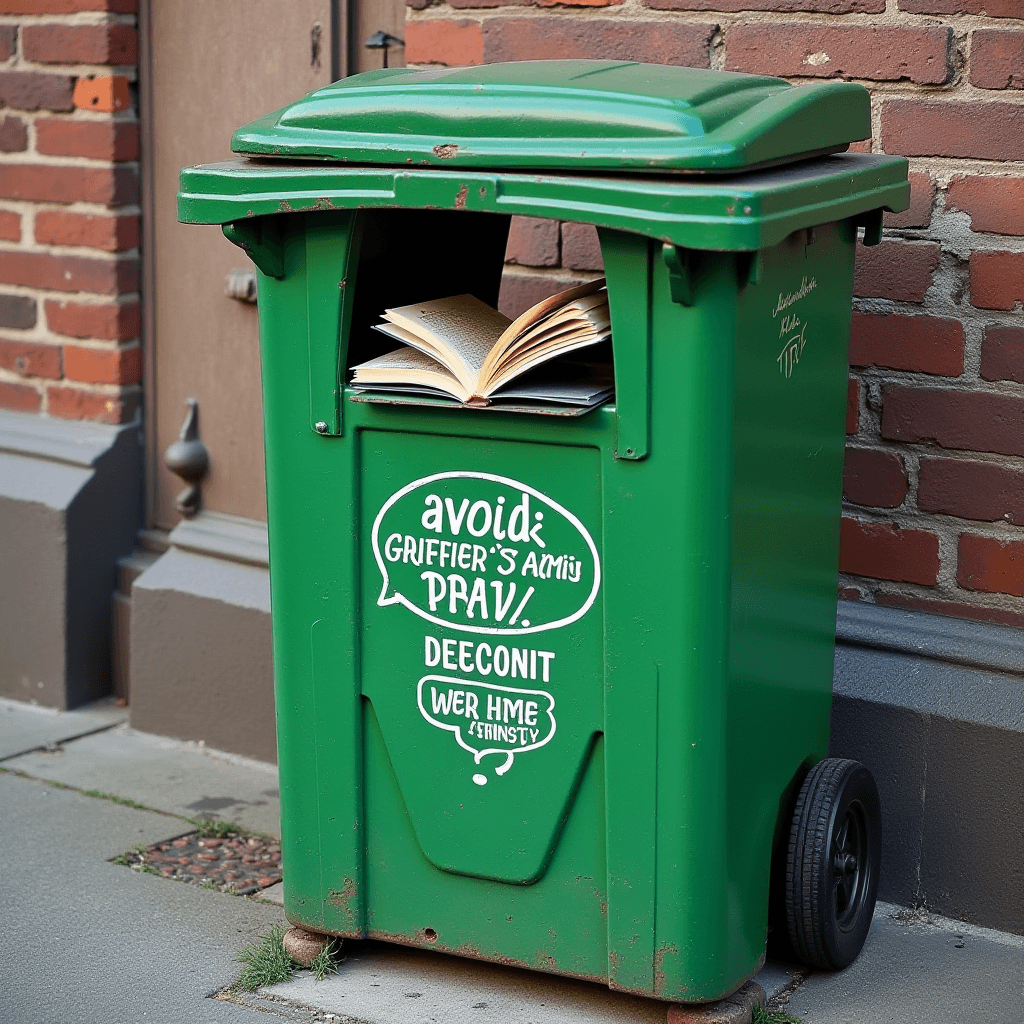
745,212
688,683
597,115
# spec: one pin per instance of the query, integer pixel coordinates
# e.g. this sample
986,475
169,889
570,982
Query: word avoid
483,553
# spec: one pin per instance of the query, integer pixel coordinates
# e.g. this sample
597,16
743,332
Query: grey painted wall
70,496
944,738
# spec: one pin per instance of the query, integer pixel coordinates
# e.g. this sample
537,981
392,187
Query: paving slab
169,775
378,983
25,727
920,969
87,941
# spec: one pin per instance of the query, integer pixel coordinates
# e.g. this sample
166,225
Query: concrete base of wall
70,498
201,653
934,707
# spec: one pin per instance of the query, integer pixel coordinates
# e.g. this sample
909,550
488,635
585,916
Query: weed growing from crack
761,1016
266,962
326,961
113,798
209,827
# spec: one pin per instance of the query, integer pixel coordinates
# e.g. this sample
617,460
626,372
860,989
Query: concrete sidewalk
85,940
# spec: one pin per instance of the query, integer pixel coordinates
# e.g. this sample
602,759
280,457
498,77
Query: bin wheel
832,865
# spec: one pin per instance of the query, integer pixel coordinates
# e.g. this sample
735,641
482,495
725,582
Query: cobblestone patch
236,862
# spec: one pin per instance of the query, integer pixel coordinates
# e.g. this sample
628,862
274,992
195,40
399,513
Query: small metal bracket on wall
189,459
383,41
681,266
240,285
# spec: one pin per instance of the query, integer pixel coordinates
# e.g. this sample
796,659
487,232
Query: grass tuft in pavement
266,962
772,1017
326,961
113,798
215,829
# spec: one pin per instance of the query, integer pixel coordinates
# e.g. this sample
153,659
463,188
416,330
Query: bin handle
262,240
627,266
332,255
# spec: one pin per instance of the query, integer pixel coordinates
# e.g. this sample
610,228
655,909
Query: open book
461,348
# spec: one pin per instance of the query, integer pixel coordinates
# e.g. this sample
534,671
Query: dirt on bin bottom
237,863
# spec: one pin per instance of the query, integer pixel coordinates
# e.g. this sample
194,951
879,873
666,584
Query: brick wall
934,476
69,215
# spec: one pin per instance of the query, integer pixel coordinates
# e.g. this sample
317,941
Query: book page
587,295
541,355
408,366
463,329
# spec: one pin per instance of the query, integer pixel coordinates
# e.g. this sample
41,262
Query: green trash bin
554,691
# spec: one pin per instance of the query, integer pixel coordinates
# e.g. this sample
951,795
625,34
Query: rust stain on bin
446,152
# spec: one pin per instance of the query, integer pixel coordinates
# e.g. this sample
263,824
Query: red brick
107,322
103,366
18,397
8,35
979,613
997,279
13,135
67,6
98,140
991,565
852,405
920,344
577,3
993,8
1002,354
50,183
455,43
995,202
828,51
30,360
80,44
801,6
35,90
68,273
581,248
79,404
863,146
985,491
18,312
896,270
997,59
457,4
520,291
104,93
533,242
112,234
557,38
970,420
883,551
922,197
873,478
10,226
983,131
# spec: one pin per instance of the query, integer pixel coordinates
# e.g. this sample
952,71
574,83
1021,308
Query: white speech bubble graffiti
398,598
480,753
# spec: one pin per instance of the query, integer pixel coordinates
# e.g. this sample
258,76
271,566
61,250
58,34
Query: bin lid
597,114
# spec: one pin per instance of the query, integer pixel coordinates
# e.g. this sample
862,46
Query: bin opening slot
452,348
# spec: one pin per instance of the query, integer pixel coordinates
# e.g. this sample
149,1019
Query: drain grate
236,862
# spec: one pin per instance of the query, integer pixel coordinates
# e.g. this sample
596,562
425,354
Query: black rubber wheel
832,865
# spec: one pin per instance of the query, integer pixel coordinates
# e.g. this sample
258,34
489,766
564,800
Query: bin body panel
487,707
